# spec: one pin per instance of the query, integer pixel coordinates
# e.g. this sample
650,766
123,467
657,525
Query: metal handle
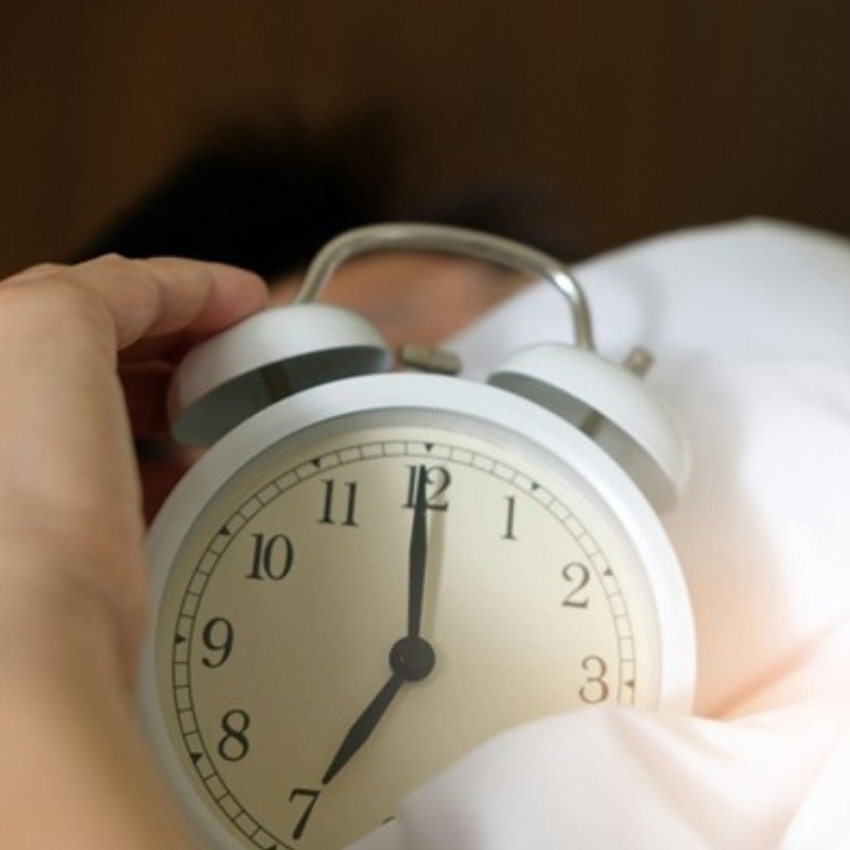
453,240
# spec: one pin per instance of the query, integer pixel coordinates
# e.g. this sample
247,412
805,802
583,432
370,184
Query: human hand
69,489
85,353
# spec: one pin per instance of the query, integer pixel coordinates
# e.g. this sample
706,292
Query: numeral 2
577,576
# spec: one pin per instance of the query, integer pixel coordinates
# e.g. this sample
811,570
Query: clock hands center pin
411,658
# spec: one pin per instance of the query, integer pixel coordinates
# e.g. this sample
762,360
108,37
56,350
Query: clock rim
666,582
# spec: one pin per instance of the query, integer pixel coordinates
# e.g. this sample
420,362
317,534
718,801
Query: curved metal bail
451,240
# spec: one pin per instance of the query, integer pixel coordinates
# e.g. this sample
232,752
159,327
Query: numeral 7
312,795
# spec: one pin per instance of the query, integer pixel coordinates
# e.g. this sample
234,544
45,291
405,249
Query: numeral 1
509,518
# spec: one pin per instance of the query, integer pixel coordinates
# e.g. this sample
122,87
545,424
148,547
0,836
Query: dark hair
269,205
263,208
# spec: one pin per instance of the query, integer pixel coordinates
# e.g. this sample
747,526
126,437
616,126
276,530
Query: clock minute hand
363,726
418,555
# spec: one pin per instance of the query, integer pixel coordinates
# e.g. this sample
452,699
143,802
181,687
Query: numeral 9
217,637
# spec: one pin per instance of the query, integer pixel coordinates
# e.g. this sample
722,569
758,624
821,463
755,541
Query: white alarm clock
371,572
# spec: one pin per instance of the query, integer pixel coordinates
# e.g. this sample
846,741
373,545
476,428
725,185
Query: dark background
638,115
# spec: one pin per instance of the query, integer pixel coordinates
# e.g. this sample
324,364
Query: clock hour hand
363,727
418,555
411,660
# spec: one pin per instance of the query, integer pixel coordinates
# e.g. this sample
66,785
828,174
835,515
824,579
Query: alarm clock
372,570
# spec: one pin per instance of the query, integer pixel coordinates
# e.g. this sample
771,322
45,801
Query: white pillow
750,326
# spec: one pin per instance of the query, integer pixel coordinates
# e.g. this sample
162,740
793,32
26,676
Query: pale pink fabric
750,325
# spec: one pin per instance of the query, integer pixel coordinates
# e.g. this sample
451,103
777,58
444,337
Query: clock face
371,597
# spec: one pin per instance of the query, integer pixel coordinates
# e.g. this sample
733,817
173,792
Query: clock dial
370,598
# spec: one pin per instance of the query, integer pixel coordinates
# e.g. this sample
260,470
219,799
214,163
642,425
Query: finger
158,296
40,270
59,327
168,348
165,295
69,493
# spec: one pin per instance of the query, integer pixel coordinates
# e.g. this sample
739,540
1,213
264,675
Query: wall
642,116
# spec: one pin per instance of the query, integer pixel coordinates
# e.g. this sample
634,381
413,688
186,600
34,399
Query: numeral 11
329,512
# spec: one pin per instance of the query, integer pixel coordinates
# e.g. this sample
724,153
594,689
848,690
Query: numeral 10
272,557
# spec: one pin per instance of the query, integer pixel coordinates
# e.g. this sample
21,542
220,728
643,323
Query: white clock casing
280,584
